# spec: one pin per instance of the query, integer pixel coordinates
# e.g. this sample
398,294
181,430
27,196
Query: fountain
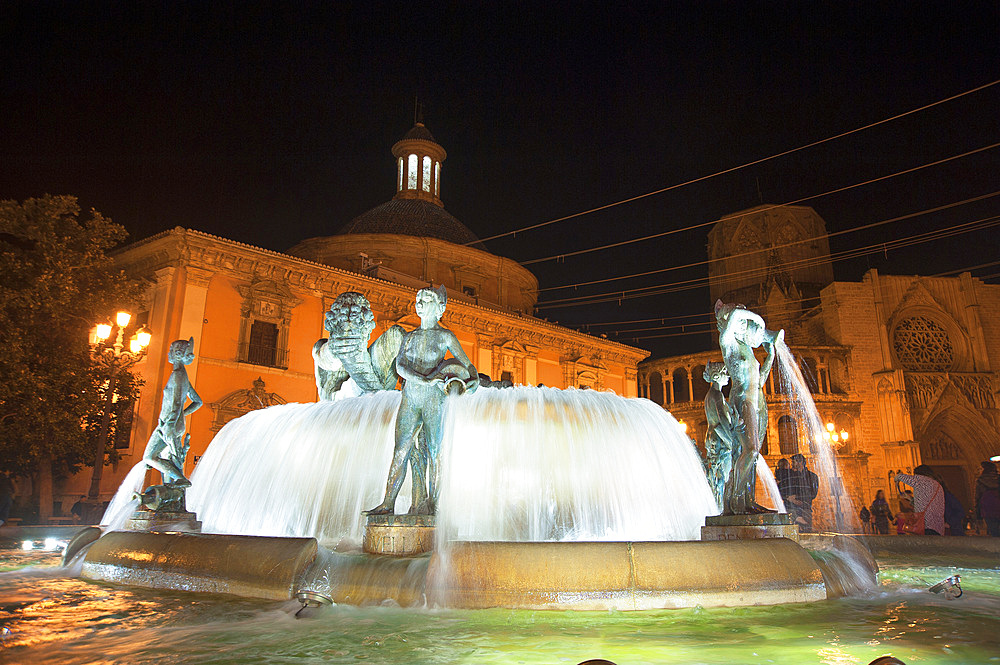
549,499
546,498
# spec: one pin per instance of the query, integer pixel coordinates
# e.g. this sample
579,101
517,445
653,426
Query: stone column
974,325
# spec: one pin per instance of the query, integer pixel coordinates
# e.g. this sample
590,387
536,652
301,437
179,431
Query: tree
56,281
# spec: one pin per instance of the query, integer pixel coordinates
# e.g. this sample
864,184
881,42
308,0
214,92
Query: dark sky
269,123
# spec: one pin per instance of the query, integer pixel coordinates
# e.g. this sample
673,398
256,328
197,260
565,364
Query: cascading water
298,470
123,504
811,429
541,464
517,464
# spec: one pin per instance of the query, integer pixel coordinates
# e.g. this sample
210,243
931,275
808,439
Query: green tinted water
48,618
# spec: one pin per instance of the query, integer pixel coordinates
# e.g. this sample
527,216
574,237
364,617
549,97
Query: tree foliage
56,281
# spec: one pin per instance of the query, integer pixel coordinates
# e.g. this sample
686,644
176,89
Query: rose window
923,345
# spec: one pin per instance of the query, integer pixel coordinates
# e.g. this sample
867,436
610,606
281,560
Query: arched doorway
953,443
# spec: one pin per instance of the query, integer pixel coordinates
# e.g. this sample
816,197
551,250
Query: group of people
929,508
798,487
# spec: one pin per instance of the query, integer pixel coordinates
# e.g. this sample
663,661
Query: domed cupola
412,240
419,159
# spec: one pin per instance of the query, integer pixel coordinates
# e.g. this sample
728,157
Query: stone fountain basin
521,575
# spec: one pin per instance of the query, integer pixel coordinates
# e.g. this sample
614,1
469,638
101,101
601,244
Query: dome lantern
418,162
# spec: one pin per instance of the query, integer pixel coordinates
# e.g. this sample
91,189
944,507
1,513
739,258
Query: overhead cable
741,166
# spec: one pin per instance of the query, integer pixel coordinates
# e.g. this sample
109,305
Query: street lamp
837,440
114,358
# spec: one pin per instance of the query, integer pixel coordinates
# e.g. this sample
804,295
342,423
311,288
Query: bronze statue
168,446
427,378
719,445
346,357
740,332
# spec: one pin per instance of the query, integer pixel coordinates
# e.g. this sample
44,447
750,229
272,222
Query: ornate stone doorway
953,443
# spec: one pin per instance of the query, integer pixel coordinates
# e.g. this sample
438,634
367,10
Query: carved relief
923,390
978,389
943,448
241,402
748,236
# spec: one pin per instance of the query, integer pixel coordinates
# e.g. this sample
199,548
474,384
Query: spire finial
418,111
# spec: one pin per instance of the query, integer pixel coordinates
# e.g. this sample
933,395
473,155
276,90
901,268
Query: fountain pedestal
399,535
163,520
741,527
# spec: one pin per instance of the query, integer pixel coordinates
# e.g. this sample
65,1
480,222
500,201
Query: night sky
269,123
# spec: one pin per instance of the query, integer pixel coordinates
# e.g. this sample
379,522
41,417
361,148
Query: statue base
398,535
163,520
745,527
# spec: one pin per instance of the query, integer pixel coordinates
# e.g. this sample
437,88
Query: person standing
954,511
928,498
988,498
866,520
803,487
881,513
783,478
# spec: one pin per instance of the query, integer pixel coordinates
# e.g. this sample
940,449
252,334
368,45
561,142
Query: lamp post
114,358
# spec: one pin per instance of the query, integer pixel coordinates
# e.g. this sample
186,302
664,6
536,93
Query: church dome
412,240
413,217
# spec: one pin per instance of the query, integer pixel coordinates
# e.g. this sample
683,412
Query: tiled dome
413,217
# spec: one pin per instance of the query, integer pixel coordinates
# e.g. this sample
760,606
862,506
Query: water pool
46,617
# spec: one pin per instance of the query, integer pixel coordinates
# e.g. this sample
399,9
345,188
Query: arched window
788,435
656,388
425,181
399,187
680,379
700,385
411,172
808,367
437,178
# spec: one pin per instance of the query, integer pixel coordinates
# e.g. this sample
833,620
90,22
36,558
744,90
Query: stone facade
903,364
255,314
221,292
923,351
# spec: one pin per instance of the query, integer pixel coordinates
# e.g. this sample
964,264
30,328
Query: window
680,380
437,178
411,172
656,388
426,180
469,291
265,319
788,435
263,349
923,345
399,187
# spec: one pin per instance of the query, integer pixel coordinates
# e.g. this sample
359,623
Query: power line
763,209
768,249
708,317
969,269
642,291
737,168
803,263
